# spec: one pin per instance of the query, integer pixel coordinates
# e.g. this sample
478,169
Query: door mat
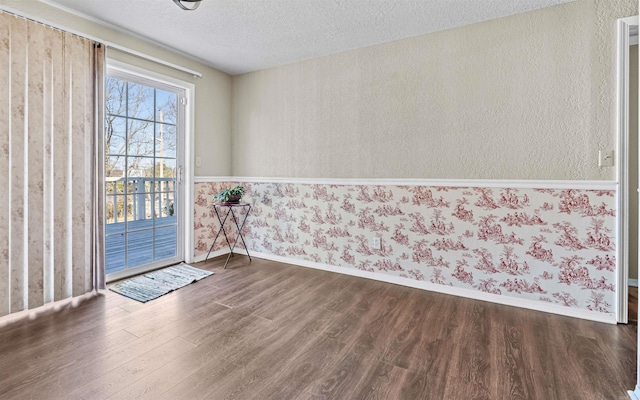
158,283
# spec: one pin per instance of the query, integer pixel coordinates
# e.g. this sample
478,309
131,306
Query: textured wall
524,97
213,90
548,245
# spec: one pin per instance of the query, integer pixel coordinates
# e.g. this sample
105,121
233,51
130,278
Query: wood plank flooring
265,330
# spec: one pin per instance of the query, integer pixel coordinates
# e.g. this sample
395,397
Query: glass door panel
142,129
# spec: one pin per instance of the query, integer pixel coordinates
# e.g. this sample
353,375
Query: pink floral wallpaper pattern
548,245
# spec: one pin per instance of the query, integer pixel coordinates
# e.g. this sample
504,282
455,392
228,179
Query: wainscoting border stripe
489,183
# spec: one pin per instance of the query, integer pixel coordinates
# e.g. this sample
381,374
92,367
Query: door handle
180,172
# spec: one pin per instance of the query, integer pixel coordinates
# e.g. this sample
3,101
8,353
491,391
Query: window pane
114,252
165,185
115,213
116,96
165,242
141,138
141,101
114,167
166,140
114,186
140,210
167,106
166,168
164,206
137,185
139,167
139,248
115,131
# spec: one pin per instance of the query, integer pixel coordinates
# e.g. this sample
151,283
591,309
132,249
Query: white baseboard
633,282
467,293
215,254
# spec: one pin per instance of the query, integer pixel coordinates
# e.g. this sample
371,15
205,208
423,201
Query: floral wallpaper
548,245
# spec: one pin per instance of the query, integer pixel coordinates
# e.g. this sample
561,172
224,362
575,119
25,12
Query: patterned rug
158,283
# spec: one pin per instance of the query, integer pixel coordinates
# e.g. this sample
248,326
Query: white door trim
186,242
622,117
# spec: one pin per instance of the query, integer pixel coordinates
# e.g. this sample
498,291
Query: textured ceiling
238,36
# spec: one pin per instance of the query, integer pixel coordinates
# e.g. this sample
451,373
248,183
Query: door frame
625,39
185,244
622,126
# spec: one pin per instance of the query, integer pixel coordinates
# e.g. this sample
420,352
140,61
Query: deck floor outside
140,239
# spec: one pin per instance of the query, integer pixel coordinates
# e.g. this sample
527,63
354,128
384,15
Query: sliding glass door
143,173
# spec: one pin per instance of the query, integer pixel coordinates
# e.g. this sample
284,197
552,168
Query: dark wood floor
265,330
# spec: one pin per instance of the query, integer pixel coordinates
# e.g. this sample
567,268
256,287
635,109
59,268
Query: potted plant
230,196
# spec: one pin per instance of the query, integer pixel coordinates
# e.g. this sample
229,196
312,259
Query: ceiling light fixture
195,4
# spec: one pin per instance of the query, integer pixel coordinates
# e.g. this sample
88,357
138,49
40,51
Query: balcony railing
145,198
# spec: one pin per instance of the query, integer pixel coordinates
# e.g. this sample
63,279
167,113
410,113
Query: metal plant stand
239,226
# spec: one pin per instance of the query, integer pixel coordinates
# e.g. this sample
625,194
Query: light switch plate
605,158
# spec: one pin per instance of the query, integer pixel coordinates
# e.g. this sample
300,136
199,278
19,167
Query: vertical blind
50,141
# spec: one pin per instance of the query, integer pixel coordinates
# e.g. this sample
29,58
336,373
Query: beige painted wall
633,161
213,90
530,96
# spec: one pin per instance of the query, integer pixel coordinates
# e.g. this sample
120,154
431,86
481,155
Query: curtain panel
50,187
